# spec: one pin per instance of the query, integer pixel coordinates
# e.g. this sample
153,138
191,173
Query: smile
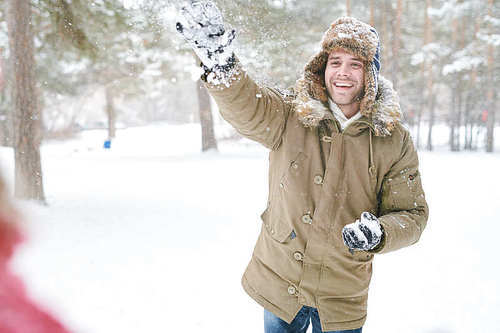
343,85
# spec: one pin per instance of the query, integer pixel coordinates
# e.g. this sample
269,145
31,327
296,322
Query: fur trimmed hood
380,102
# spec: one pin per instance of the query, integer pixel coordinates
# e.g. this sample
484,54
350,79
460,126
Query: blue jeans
300,323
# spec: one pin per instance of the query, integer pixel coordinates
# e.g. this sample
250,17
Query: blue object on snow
107,144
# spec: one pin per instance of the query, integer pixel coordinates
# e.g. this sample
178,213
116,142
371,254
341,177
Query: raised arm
256,112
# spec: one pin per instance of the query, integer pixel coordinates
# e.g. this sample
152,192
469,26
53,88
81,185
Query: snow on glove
200,23
364,234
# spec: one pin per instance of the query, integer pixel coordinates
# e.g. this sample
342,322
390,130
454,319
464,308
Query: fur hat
357,38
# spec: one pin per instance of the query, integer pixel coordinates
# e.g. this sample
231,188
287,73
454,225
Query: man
343,172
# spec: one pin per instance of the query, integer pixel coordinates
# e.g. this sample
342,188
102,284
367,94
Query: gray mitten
364,234
201,24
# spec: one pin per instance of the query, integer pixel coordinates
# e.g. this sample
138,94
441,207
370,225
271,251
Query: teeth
343,84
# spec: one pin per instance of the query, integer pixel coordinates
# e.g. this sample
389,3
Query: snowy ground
153,236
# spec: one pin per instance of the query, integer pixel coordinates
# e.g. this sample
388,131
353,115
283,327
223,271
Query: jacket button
307,219
298,256
318,180
292,290
281,185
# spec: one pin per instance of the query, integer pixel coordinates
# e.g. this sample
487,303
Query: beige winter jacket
320,179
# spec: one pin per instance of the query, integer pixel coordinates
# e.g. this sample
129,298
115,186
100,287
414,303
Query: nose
343,70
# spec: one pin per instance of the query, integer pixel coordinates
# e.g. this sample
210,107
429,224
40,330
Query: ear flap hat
359,39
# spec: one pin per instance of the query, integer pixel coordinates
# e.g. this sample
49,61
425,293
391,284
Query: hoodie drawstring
371,169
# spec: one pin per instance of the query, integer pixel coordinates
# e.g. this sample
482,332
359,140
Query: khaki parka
320,179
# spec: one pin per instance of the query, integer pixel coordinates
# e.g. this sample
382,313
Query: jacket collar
382,116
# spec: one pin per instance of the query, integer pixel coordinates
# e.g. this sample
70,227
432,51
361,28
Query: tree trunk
372,13
384,36
460,107
25,100
420,112
451,119
2,71
490,128
432,119
208,141
396,44
348,7
428,70
455,104
111,113
472,109
470,144
5,123
468,120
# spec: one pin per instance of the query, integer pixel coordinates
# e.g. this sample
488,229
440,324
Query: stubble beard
355,99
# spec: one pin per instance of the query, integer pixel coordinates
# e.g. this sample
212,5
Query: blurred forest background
72,65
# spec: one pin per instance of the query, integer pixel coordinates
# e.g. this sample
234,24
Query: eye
356,65
335,63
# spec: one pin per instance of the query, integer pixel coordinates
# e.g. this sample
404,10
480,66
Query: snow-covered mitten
364,234
200,23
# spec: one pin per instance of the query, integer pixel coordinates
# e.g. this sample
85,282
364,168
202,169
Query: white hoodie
340,116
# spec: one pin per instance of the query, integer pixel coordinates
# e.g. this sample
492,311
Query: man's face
344,78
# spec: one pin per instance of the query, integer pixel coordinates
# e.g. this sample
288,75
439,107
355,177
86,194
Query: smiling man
344,183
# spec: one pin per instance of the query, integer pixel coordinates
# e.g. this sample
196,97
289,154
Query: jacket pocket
275,227
334,310
402,193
